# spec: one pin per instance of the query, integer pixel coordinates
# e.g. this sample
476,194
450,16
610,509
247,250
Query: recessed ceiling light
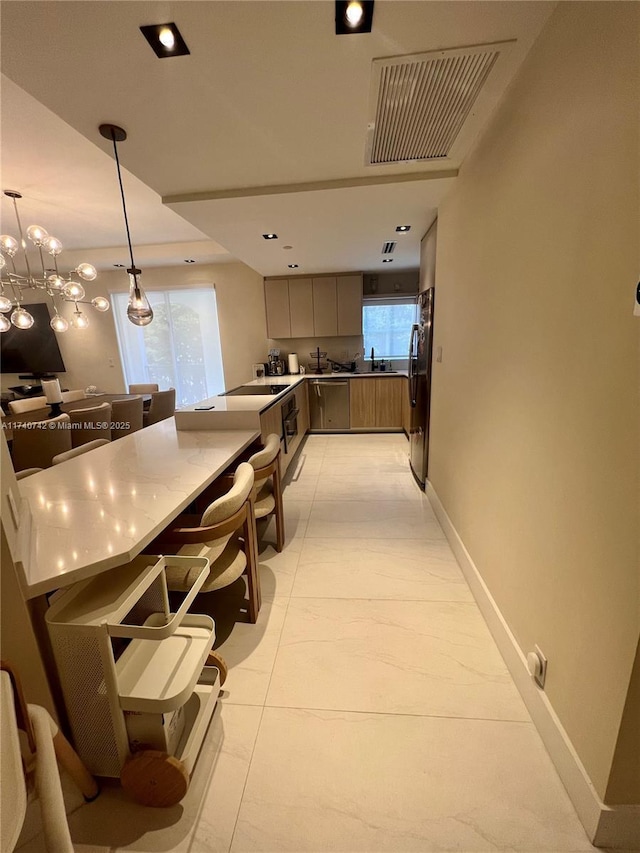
403,228
119,265
189,261
165,39
293,266
270,236
387,260
287,247
353,16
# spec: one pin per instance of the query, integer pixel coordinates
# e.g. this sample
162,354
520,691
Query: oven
289,421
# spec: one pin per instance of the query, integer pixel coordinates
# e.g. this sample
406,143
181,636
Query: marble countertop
101,509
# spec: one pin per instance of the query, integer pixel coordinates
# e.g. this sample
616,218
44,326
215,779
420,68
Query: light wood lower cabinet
362,403
376,403
388,394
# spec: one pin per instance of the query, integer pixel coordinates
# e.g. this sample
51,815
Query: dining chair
225,534
90,424
128,415
17,407
72,396
144,388
79,451
35,446
163,405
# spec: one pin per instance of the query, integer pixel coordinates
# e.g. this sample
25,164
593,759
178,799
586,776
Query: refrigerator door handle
413,366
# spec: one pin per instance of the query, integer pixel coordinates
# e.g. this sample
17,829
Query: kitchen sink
249,390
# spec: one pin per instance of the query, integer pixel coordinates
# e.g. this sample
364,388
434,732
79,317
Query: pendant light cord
124,206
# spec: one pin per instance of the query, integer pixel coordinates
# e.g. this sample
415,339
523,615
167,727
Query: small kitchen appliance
275,366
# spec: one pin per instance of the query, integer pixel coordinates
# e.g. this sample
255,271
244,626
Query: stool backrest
72,396
79,451
228,504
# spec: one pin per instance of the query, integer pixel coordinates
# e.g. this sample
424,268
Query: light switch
438,353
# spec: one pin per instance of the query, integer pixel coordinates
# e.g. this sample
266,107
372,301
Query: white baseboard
606,826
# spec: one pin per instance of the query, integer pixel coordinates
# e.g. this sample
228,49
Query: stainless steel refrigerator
420,353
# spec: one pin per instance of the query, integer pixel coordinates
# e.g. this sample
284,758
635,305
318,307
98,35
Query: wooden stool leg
253,579
279,510
70,760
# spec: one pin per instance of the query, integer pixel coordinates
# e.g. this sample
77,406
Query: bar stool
268,485
225,535
144,388
78,451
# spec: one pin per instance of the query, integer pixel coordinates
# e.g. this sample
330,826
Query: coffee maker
275,366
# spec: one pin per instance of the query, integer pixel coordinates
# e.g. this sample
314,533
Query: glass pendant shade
5,325
87,272
9,244
37,234
58,323
53,246
21,319
5,304
56,282
139,311
74,290
100,303
3,263
79,320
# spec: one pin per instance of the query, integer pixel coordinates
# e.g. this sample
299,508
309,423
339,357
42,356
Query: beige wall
535,412
92,356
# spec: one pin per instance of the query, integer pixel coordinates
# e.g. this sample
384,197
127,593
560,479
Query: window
386,325
179,349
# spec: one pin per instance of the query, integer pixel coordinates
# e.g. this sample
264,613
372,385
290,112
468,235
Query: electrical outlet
438,353
537,666
112,363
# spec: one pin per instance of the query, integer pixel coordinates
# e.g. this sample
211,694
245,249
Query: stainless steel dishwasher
329,404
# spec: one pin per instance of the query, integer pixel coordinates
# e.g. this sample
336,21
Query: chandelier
60,288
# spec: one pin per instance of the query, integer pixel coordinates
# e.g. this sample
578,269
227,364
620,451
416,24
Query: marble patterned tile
250,651
373,520
350,568
363,487
278,570
203,821
394,657
301,489
296,516
373,464
358,783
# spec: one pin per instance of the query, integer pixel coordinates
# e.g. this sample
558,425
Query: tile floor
368,709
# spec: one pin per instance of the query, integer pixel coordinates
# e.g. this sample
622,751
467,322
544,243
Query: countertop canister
294,367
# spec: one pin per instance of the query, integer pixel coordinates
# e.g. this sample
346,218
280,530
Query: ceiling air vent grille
420,102
389,247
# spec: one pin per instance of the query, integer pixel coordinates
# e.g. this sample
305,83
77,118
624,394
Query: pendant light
139,311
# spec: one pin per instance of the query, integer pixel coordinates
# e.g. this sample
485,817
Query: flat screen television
34,351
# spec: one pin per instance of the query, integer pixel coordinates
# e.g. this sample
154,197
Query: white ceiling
262,128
